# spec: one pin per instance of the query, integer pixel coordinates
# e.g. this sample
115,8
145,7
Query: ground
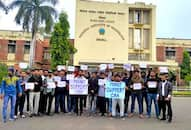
181,121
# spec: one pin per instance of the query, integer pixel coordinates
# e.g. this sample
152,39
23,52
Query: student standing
152,87
9,88
164,96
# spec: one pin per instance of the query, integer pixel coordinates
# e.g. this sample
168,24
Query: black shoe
169,121
163,119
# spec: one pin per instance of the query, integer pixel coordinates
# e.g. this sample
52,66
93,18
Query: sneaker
141,116
23,116
131,115
15,117
11,119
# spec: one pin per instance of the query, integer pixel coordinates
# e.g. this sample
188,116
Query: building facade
114,33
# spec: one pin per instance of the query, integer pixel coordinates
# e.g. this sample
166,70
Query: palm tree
33,13
2,6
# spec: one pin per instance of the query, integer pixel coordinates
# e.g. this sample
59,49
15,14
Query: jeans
152,97
60,100
139,100
92,103
20,102
120,102
34,102
5,105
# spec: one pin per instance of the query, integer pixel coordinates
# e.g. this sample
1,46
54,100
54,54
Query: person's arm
19,89
3,85
170,88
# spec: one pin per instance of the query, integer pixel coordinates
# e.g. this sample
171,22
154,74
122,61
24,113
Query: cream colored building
115,33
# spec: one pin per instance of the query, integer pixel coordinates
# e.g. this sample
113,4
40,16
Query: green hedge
182,93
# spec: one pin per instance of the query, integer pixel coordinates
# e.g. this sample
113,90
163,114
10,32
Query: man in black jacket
35,93
164,96
93,90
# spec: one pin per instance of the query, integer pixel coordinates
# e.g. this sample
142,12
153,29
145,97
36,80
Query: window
131,13
146,38
137,16
27,47
47,55
138,56
130,38
170,53
189,51
137,39
146,17
11,46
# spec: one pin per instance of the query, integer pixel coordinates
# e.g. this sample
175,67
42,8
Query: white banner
29,86
51,85
78,87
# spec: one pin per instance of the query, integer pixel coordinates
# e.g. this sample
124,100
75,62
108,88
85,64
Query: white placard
51,85
84,67
137,86
61,67
23,65
71,68
78,87
61,84
29,86
111,66
132,68
103,67
69,76
127,67
143,65
163,69
152,84
101,82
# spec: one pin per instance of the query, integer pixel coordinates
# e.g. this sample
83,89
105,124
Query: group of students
39,101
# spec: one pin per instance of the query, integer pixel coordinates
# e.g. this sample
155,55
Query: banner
78,87
29,86
115,90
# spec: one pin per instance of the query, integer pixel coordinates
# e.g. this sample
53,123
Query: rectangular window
137,16
27,47
11,46
146,38
131,16
130,38
137,39
47,55
170,53
146,17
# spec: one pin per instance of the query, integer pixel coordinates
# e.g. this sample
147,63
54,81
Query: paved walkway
181,121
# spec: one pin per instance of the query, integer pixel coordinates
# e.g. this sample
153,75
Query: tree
3,7
33,13
3,71
61,48
185,66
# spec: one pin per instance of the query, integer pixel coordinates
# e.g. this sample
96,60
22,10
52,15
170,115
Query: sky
172,17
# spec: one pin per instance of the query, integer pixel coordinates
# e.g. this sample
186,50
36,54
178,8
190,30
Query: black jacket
93,85
37,79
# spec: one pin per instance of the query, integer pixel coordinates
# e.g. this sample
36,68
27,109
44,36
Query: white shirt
163,88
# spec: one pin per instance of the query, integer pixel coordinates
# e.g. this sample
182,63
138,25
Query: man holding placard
34,84
116,91
136,87
165,94
61,92
79,88
152,86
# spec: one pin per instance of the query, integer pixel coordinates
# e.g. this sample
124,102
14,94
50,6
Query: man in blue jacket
10,88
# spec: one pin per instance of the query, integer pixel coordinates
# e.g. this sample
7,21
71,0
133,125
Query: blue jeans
60,101
139,100
5,105
153,97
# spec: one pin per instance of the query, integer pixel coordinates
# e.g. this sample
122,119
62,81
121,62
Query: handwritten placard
29,86
69,76
137,86
111,66
152,84
127,67
61,84
78,87
61,67
51,85
101,82
103,67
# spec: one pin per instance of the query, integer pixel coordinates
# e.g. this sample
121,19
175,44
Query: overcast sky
173,17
